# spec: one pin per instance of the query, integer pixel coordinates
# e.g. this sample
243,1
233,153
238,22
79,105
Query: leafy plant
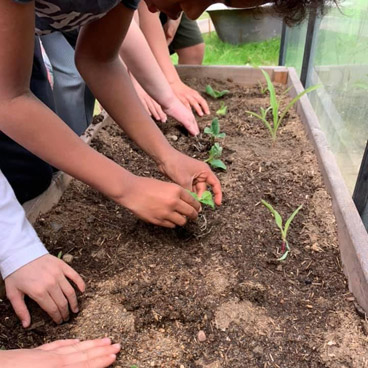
285,249
222,111
206,198
214,129
214,157
215,94
262,89
274,107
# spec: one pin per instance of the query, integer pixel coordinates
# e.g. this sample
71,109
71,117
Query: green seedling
214,157
60,254
278,116
285,248
206,198
222,111
262,89
216,94
214,129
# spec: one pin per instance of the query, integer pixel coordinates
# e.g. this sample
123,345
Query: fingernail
117,346
76,310
24,324
106,339
113,356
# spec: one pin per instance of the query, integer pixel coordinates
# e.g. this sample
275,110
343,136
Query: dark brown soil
154,289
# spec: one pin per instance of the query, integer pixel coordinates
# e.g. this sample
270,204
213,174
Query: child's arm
152,29
140,61
28,269
30,123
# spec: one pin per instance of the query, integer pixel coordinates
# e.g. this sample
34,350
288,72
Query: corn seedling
285,248
262,89
214,157
214,130
278,116
215,94
222,111
206,198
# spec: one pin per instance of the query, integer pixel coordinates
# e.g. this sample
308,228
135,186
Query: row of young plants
215,152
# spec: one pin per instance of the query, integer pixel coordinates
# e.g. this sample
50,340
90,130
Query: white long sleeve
19,243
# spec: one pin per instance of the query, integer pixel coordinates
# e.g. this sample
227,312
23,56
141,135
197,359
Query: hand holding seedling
158,202
285,249
216,94
192,174
206,198
46,281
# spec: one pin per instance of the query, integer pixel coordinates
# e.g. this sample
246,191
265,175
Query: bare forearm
110,83
35,127
138,57
155,36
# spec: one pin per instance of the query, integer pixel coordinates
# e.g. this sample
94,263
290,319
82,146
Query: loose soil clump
210,294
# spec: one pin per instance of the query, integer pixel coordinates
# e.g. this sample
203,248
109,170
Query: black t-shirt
67,15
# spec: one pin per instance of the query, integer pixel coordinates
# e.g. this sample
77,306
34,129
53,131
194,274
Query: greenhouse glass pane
295,40
340,65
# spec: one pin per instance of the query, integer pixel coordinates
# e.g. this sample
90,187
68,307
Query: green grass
254,54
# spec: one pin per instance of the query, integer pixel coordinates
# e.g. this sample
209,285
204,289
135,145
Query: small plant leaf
295,99
206,198
217,164
194,195
222,111
210,91
284,256
290,219
276,215
215,151
215,126
60,254
215,94
221,135
208,130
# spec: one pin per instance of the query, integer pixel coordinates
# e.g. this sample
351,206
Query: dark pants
28,175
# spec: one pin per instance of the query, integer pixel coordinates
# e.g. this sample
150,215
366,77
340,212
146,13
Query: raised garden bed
212,294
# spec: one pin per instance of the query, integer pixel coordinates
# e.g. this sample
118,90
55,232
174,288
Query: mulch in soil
210,294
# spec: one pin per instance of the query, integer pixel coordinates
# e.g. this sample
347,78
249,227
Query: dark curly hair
295,11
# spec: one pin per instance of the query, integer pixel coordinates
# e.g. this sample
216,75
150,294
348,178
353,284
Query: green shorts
188,34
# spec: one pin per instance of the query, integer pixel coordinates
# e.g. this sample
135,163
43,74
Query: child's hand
46,280
183,115
158,202
190,98
151,106
97,353
191,174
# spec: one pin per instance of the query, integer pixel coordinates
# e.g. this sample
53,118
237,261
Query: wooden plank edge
45,201
242,74
352,235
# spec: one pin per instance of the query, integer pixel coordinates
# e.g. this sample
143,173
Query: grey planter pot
237,26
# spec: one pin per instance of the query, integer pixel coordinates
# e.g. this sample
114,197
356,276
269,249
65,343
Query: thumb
20,308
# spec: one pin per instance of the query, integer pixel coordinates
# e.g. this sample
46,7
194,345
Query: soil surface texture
211,294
